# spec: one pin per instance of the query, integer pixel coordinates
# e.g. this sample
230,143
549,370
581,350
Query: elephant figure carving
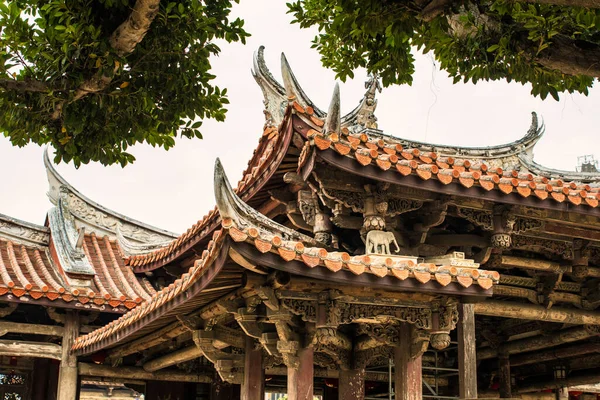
378,242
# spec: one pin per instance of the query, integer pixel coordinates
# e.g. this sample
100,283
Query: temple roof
242,225
504,169
134,237
77,260
30,273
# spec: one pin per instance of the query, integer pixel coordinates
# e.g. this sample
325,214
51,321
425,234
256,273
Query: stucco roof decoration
387,153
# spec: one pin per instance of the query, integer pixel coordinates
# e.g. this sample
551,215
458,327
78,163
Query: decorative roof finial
366,113
288,78
333,122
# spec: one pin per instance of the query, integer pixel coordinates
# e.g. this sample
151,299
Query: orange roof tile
386,154
162,301
28,272
269,153
380,266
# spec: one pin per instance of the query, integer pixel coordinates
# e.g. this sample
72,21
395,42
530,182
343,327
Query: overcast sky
173,189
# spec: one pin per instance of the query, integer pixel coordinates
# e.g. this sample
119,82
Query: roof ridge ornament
333,122
366,113
288,79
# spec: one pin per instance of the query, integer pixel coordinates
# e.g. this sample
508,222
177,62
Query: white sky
173,189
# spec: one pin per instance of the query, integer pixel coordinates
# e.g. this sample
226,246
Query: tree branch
24,86
566,56
123,40
569,3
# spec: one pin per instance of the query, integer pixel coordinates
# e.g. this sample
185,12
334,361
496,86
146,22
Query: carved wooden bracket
248,321
229,366
335,345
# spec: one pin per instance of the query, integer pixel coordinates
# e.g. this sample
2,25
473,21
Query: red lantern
330,382
99,357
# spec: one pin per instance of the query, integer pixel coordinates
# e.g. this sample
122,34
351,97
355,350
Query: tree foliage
552,44
93,77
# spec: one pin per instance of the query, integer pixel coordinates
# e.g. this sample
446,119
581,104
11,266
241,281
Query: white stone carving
378,242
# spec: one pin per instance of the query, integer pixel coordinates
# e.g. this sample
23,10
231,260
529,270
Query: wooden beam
555,354
369,376
67,376
496,308
539,342
533,264
467,359
558,384
32,329
179,356
408,383
300,379
105,371
253,387
352,384
30,349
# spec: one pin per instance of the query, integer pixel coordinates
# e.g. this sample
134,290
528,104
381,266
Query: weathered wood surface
504,376
67,376
369,376
408,383
352,385
530,263
32,329
539,342
253,387
588,379
135,373
495,308
467,359
179,356
555,354
21,348
153,339
300,380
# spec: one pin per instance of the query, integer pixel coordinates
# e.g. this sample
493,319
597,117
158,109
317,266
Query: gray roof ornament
333,122
366,112
288,78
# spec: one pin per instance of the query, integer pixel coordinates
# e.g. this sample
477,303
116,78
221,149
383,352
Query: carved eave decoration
135,237
23,232
67,242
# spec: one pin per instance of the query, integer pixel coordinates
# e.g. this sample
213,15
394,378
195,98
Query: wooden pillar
300,380
467,358
408,383
41,379
562,394
352,384
253,387
68,377
504,375
224,391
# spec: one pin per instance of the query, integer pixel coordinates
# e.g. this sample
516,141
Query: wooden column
41,378
253,387
467,360
504,375
408,384
300,380
352,384
68,377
